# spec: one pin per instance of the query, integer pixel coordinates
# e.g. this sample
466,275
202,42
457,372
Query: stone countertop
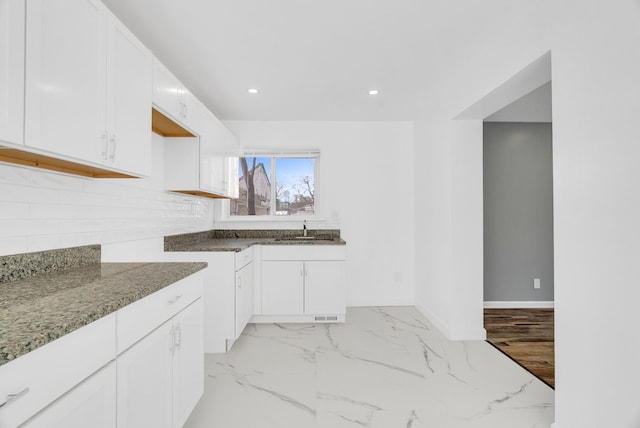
238,240
239,244
37,310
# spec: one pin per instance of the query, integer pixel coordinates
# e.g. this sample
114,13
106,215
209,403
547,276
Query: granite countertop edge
239,240
41,309
238,245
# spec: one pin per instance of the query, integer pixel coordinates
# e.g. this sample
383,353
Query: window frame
274,155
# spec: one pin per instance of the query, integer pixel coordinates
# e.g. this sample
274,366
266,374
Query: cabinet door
232,182
219,174
90,404
12,70
65,78
145,381
166,91
190,110
188,377
129,88
324,286
282,288
244,298
214,157
211,174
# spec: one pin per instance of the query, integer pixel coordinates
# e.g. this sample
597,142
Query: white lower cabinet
90,404
324,287
35,380
244,298
188,362
141,366
307,281
228,294
144,382
302,287
161,377
282,287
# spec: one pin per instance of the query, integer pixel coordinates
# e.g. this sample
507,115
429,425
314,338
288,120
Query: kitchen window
276,185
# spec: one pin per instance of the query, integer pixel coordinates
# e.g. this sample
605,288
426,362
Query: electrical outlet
536,282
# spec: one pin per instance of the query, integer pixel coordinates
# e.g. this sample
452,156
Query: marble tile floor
384,367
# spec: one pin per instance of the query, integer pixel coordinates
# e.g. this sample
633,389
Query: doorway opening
518,217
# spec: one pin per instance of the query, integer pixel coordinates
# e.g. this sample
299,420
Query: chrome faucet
304,228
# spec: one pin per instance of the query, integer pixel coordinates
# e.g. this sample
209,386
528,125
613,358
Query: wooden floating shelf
21,157
201,193
161,124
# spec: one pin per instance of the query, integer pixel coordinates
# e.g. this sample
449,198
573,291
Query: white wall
365,188
596,104
41,210
448,164
596,111
448,245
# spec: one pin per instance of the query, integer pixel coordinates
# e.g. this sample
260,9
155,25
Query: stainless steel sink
304,238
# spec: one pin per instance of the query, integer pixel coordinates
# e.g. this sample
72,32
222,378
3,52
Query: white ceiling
316,60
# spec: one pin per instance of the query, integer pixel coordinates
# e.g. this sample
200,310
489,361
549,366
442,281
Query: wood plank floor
525,335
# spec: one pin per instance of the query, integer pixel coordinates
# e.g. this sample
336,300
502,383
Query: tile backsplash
41,210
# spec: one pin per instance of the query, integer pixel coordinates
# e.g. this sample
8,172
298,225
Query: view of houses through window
291,193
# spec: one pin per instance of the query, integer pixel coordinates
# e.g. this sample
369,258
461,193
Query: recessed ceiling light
252,90
373,92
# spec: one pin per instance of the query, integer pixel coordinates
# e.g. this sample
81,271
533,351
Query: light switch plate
536,283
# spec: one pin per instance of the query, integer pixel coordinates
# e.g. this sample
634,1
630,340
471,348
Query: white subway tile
27,227
53,241
9,246
54,180
92,238
14,174
43,210
9,210
20,193
58,211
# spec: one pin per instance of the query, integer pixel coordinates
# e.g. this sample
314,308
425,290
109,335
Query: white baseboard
532,304
435,320
451,334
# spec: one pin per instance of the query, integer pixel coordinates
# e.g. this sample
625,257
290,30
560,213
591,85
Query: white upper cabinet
129,87
205,165
66,78
218,158
173,99
12,71
88,86
166,90
201,154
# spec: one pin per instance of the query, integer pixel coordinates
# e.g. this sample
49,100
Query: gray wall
518,211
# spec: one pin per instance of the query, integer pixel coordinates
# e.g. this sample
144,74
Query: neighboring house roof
261,182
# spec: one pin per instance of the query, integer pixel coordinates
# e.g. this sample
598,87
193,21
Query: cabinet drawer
243,258
41,376
304,252
140,318
90,404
